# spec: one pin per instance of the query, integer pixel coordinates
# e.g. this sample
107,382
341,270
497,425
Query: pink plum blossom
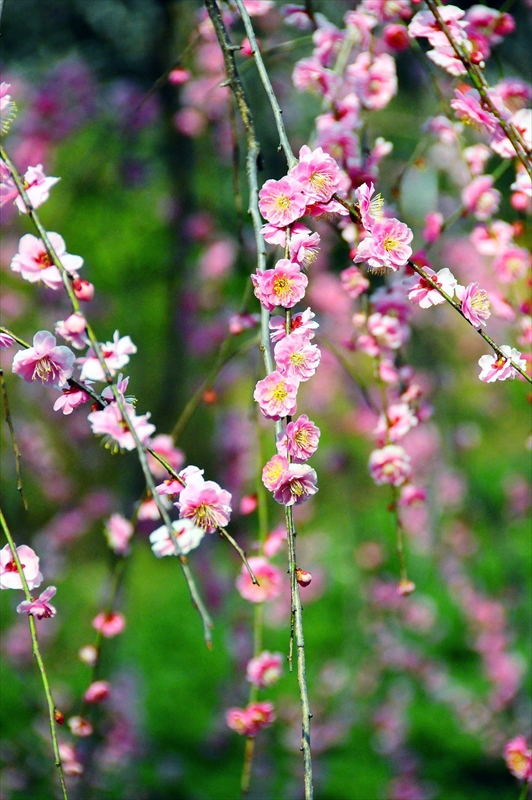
273,469
187,534
9,577
34,264
369,207
79,726
268,576
50,364
390,464
296,357
97,692
476,158
40,607
469,110
492,239
205,503
304,245
480,198
396,37
110,423
303,323
296,484
72,329
282,202
420,291
433,226
275,541
475,304
497,368
8,109
163,444
84,290
387,330
512,264
300,439
249,721
374,79
118,531
396,423
116,355
425,25
317,173
311,76
387,246
70,399
265,669
282,286
276,395
109,623
353,282
37,187
518,757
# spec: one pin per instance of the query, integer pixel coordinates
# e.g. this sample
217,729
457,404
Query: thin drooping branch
38,658
14,443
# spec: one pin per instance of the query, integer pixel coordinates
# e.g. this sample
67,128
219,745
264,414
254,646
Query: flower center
283,202
390,243
12,567
205,517
279,393
43,260
297,488
302,437
297,359
281,286
44,370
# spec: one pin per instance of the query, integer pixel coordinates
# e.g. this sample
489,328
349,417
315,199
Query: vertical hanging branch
253,159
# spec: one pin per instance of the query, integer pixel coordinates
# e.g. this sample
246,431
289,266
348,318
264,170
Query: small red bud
476,57
59,717
210,397
303,577
83,290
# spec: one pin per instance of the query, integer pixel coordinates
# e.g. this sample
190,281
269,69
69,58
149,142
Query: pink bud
97,692
303,577
406,587
248,504
178,76
396,37
83,290
80,726
76,323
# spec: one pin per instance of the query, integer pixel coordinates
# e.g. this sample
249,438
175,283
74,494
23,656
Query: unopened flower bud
303,577
406,587
84,290
89,655
59,717
80,726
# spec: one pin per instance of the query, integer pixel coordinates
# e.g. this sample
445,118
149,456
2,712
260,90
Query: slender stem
249,752
524,791
223,533
14,442
37,655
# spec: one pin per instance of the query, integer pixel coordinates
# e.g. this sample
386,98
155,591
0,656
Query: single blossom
387,246
499,368
296,484
187,534
249,721
72,329
422,292
118,531
303,322
40,607
34,264
9,577
480,198
282,202
282,286
116,355
296,357
518,757
37,187
468,109
390,464
110,623
269,578
369,207
265,669
276,395
205,503
97,692
475,304
71,398
300,439
110,423
354,282
512,264
388,331
395,424
374,79
273,469
317,173
79,726
46,362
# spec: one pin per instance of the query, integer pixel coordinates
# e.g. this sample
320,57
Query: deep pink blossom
276,395
296,357
282,202
273,469
40,607
282,286
116,355
421,292
390,464
469,110
475,303
110,623
109,422
50,364
317,173
188,537
396,37
265,669
433,226
296,484
518,757
37,187
497,368
249,721
83,289
70,399
268,576
304,245
300,439
303,323
34,264
387,246
97,692
205,503
118,531
480,198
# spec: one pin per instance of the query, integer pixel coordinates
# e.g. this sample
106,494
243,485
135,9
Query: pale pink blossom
302,322
447,132
387,330
273,469
97,692
50,364
469,110
218,258
296,484
514,93
475,303
6,340
425,25
238,323
268,576
110,423
433,226
522,183
34,264
518,757
72,329
304,245
83,289
354,282
499,368
387,246
71,766
411,494
522,120
8,108
205,503
70,399
310,75
116,355
163,444
170,487
296,357
265,669
480,198
276,395
317,174
387,10
390,464
79,726
300,439
282,286
249,721
477,157
188,537
109,623
37,187
40,607
118,531
370,208
374,79
282,202
512,264
492,239
88,655
296,15
445,57
395,424
420,290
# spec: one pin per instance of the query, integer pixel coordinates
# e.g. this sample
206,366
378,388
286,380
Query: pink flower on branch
116,355
9,577
282,286
276,395
37,187
109,623
300,439
317,173
480,198
282,202
296,357
273,469
499,368
303,323
188,537
50,364
97,692
110,423
118,531
249,721
296,484
386,247
475,304
40,607
72,329
518,757
390,464
34,264
468,109
374,79
422,292
265,669
205,503
269,578
70,399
